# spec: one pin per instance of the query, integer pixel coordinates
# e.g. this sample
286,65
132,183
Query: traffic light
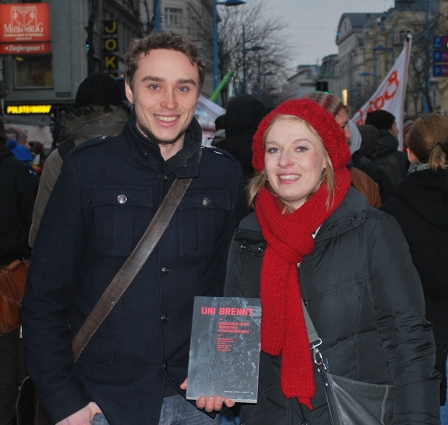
322,86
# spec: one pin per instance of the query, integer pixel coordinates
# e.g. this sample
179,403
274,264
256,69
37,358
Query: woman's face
294,159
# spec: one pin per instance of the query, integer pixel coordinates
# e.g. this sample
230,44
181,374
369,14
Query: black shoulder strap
65,147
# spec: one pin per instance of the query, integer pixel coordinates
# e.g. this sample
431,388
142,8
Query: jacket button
122,199
166,178
243,246
164,318
145,155
206,202
260,249
165,365
165,270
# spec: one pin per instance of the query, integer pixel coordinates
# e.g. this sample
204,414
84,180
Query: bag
353,402
350,402
12,288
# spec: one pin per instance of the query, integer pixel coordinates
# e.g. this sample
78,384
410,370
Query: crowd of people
292,204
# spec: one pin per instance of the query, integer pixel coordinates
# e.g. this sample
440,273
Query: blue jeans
444,409
175,411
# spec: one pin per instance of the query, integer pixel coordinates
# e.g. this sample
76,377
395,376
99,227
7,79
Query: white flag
391,94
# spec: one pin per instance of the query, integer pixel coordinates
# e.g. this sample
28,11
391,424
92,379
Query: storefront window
33,71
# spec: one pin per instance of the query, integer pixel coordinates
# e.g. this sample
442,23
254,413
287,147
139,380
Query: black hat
369,136
98,89
380,119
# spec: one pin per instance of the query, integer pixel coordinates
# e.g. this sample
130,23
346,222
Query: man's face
394,130
164,94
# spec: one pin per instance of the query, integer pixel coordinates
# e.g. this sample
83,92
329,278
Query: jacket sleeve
407,337
47,303
48,178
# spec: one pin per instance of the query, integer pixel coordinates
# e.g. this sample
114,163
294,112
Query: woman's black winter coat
365,299
420,206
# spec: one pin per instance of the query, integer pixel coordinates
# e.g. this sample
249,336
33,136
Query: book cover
225,348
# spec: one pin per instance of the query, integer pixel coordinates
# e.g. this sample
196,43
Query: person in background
99,111
17,141
107,193
313,238
16,209
364,160
360,180
420,206
394,163
243,114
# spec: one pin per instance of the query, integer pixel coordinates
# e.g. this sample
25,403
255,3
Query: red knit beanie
321,120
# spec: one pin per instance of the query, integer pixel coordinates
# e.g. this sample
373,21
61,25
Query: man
108,191
394,163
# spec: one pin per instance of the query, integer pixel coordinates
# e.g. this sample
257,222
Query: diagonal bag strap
312,333
132,266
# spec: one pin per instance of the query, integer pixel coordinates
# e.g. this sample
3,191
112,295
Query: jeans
444,409
175,411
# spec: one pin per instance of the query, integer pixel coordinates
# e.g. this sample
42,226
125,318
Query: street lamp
265,74
362,75
377,49
215,35
250,49
156,9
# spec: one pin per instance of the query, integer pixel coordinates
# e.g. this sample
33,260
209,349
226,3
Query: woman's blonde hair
260,179
428,140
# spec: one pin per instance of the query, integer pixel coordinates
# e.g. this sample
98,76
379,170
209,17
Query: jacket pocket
122,215
100,349
203,219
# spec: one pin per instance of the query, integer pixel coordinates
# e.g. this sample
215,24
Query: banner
391,94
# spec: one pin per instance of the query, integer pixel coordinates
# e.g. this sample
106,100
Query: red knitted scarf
289,238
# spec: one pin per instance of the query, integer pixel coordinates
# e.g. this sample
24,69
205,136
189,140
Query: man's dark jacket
420,206
108,191
16,206
365,299
365,164
395,164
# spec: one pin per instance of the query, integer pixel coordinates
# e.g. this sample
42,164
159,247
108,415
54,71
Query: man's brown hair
163,40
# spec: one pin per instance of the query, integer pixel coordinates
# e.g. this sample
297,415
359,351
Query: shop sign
27,109
24,49
25,22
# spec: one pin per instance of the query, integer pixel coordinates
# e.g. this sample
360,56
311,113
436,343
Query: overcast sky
312,23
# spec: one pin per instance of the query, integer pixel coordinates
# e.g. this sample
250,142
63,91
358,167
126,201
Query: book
225,348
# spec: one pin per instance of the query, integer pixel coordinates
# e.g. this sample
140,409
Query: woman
313,237
420,206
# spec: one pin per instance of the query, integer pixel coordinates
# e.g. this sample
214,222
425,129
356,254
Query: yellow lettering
111,29
111,44
28,109
110,62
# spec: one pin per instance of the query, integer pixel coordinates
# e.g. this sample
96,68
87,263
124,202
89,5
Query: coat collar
350,214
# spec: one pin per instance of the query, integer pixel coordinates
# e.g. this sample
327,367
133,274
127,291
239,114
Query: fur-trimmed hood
88,123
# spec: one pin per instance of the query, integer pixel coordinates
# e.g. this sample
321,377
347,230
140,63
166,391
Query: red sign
24,49
25,23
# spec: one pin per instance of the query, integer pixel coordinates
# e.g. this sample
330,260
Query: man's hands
83,416
208,403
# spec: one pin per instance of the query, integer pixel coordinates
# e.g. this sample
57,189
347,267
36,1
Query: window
173,17
33,71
